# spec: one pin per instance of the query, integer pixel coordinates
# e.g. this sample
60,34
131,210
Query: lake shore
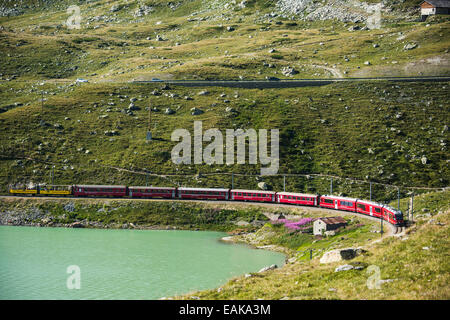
122,214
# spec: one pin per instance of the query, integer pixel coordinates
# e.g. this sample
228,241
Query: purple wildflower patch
295,225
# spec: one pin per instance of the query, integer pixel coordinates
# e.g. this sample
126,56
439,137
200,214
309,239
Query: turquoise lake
119,264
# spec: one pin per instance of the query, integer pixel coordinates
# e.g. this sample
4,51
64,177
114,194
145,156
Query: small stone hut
323,225
432,7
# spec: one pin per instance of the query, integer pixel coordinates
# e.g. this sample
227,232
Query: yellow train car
55,190
22,190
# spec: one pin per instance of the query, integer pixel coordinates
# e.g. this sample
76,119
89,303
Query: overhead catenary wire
234,174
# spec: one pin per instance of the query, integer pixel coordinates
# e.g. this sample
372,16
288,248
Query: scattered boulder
111,133
410,46
70,207
169,111
133,107
143,11
424,160
76,225
272,267
263,186
115,8
344,267
288,71
196,111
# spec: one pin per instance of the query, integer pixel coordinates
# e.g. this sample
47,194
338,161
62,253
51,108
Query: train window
254,195
377,210
330,201
361,206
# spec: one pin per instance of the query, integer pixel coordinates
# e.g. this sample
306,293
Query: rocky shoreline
20,220
242,238
112,214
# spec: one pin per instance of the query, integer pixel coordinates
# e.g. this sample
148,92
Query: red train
365,207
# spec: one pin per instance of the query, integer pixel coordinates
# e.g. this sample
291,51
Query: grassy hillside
389,133
413,266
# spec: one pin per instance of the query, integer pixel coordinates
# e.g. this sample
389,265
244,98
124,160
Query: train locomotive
364,207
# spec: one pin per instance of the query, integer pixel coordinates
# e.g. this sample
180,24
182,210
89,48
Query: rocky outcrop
143,11
343,10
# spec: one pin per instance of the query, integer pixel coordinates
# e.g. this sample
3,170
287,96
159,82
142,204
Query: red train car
203,193
99,191
297,198
152,192
338,203
253,195
369,208
392,215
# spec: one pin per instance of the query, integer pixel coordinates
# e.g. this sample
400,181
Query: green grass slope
390,133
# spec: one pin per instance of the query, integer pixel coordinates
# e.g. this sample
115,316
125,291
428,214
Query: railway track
391,229
266,84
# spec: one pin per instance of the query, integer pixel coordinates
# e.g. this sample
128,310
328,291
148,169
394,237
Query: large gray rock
341,254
